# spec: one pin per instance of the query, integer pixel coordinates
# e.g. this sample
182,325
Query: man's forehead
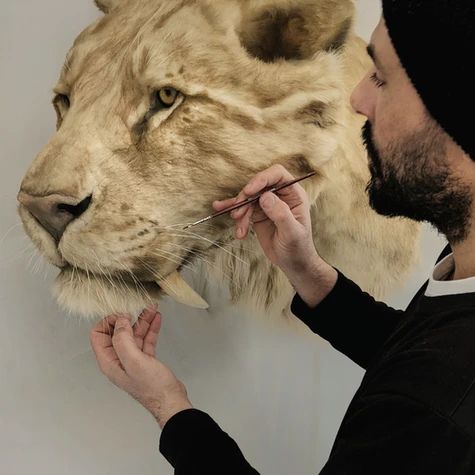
380,48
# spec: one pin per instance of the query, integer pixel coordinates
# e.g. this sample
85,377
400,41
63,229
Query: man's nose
361,98
54,212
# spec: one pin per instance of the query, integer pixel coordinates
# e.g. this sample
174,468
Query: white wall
281,396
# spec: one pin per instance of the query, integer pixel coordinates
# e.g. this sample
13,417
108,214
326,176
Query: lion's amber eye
167,96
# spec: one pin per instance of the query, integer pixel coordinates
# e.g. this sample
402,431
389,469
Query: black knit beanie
435,42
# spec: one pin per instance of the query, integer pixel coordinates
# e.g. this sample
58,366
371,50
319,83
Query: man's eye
165,98
376,80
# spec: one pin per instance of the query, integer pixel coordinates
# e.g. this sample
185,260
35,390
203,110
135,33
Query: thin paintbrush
251,199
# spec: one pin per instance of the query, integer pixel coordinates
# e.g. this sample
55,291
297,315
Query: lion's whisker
147,266
30,260
138,285
89,285
18,255
106,274
217,245
16,225
36,266
179,261
208,262
71,278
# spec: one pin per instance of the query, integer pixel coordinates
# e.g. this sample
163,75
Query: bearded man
414,411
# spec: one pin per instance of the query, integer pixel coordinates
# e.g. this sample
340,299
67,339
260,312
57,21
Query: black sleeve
195,445
395,435
350,319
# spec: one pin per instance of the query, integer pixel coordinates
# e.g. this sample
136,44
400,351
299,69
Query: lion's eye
165,97
61,104
63,100
161,99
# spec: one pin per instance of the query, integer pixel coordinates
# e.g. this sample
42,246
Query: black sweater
414,413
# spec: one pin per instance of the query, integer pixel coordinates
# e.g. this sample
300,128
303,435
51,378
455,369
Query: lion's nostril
76,210
54,212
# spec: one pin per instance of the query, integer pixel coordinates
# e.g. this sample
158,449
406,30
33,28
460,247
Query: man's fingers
106,356
242,225
100,337
142,324
218,205
279,213
274,175
124,344
106,325
151,339
102,346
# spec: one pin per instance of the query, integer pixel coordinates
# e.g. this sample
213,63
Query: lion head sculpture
164,106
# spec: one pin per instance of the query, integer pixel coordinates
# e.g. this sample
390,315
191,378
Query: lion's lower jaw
96,296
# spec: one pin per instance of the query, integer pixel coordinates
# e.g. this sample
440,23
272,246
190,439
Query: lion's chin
92,295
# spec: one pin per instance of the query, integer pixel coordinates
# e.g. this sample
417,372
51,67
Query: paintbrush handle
252,199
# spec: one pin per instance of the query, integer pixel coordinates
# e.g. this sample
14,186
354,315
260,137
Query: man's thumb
124,342
277,211
268,200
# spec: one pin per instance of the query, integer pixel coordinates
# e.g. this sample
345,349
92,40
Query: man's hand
281,221
126,356
283,227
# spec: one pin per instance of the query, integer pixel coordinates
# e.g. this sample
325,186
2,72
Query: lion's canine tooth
179,290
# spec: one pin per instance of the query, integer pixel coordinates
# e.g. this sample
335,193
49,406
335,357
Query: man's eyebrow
372,55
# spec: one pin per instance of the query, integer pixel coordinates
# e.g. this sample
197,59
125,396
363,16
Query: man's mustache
373,154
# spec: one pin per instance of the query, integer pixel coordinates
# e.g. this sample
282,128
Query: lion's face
162,108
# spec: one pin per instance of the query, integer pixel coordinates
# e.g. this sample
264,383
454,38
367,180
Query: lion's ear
294,29
107,5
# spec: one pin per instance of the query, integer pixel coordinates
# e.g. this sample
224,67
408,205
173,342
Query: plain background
281,396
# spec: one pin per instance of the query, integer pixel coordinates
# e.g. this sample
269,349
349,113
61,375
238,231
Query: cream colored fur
236,115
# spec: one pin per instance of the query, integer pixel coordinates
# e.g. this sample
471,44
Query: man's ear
107,5
294,29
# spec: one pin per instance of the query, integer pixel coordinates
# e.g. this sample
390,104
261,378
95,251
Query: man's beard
411,178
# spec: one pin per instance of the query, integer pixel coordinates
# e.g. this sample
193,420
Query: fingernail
239,232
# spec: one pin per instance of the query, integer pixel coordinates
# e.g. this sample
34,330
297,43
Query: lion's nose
54,212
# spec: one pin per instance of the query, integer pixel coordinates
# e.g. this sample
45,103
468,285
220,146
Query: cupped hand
126,355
